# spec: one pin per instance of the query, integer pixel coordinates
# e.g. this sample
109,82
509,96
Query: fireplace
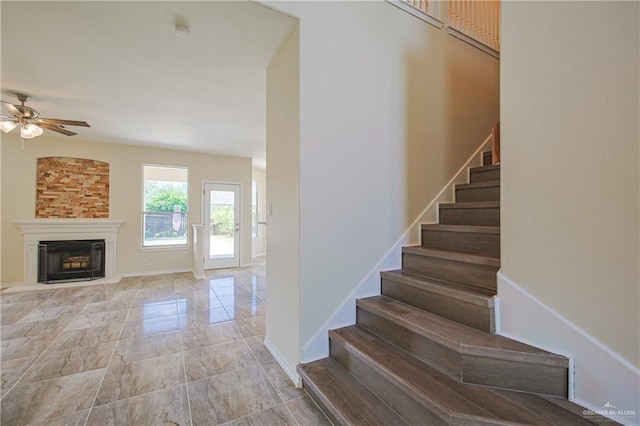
64,261
57,230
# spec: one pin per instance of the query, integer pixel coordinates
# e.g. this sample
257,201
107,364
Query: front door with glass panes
222,225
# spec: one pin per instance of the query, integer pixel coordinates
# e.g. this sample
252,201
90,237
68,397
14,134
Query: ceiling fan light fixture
25,134
30,131
35,130
7,126
27,119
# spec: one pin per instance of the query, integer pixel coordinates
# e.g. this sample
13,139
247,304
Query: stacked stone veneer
72,188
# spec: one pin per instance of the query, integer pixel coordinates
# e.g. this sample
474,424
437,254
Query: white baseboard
317,346
20,287
291,371
158,272
602,377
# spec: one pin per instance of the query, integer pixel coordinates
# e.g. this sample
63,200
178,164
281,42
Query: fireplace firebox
65,261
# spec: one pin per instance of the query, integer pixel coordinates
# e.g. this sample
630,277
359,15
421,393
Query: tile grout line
286,407
113,351
184,363
284,403
46,349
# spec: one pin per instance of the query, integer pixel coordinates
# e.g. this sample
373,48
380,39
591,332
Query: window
166,205
254,208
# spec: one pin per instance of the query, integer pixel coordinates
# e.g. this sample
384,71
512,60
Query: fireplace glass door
63,261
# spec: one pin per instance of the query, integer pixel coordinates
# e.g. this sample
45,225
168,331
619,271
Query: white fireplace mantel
37,230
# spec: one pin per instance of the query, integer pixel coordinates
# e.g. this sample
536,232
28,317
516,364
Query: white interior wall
570,187
283,237
390,108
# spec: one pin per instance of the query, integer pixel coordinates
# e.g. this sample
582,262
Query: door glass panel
222,230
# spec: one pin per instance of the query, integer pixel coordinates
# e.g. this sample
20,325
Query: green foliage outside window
166,199
222,218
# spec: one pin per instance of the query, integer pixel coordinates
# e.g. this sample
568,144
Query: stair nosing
326,402
471,205
471,229
484,168
454,255
539,357
439,286
476,185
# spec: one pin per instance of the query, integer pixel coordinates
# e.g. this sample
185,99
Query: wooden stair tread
471,205
482,184
474,229
454,255
475,295
459,337
449,399
348,401
550,407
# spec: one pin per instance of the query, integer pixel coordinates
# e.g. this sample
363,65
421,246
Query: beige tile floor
151,350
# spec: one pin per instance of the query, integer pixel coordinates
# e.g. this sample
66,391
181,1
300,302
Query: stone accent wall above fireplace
72,188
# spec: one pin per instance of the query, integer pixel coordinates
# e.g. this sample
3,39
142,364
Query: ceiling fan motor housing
28,113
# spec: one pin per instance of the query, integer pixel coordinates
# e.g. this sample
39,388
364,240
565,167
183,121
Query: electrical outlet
144,262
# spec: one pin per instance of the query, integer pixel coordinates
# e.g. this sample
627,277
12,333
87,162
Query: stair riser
466,273
483,216
479,317
436,355
490,193
518,376
513,375
462,241
484,175
396,398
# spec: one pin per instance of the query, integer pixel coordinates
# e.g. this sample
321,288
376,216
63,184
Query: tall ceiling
121,67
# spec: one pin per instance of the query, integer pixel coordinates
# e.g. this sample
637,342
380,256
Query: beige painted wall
283,238
18,196
390,108
570,161
259,245
1,233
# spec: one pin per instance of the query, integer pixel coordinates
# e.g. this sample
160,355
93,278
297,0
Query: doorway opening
222,225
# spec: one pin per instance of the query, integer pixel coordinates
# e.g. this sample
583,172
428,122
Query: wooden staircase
424,352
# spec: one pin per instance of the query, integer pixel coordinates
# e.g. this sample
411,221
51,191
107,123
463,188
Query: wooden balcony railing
422,5
474,21
477,19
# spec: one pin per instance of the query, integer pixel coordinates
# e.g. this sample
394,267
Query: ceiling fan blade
64,122
55,129
4,117
11,108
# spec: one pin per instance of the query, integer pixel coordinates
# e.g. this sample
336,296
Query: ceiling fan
30,122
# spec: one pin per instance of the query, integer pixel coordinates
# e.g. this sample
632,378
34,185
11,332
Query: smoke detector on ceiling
182,31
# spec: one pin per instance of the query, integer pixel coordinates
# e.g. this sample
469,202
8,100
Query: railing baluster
478,19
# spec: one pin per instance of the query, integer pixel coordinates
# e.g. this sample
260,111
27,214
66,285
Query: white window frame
163,247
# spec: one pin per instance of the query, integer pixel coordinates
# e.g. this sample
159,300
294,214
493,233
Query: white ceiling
120,67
